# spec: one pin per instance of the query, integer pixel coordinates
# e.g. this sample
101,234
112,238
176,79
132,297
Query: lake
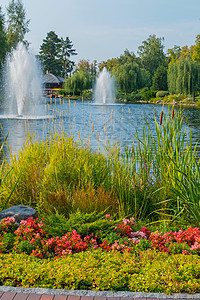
96,125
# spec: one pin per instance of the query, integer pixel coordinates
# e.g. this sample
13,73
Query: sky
103,29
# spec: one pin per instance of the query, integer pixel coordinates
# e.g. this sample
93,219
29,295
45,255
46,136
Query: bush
62,93
83,223
161,94
96,270
134,96
147,93
87,94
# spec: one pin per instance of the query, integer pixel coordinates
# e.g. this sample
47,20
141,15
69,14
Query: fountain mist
23,88
104,88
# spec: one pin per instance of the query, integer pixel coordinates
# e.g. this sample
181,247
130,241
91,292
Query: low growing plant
97,270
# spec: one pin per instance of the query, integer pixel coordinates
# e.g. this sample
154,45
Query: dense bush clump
161,94
98,270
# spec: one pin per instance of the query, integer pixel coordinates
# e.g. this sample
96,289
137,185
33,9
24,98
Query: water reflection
94,125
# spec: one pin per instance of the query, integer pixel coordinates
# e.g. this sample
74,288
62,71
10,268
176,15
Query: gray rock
19,212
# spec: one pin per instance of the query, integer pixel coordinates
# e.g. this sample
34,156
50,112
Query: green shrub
134,96
87,94
24,247
162,94
147,93
83,223
7,242
96,270
62,93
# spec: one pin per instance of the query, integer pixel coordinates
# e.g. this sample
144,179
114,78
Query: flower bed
30,237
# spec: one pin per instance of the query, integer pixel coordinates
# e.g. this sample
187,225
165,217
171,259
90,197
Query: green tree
184,77
113,63
173,54
17,24
196,49
55,54
86,66
131,77
151,53
78,82
3,44
160,79
65,52
49,52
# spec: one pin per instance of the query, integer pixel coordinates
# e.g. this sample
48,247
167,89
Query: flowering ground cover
30,237
129,259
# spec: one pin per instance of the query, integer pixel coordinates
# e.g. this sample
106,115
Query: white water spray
23,88
104,88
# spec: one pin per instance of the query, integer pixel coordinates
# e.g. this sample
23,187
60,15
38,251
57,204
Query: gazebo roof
53,79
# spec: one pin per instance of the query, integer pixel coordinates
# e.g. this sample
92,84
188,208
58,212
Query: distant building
51,84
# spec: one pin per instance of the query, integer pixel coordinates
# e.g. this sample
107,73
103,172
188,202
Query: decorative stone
19,212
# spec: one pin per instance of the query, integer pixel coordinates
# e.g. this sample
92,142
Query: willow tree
78,82
131,77
184,77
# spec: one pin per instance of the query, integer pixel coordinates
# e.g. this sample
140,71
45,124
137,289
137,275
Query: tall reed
60,174
150,162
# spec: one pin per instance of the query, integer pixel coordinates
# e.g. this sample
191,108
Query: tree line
152,69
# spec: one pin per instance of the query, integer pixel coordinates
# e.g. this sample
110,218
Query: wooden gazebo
51,83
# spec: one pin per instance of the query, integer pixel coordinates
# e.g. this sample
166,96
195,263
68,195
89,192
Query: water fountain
104,88
22,87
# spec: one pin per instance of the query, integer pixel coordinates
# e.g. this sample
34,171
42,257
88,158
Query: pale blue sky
102,29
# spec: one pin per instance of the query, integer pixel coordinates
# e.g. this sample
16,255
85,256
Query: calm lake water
97,125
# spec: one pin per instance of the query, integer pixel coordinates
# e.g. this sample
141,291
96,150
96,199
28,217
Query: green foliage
186,191
85,66
17,24
134,96
96,270
184,77
60,174
196,50
173,54
160,79
55,53
161,94
176,97
3,41
63,176
79,82
3,178
65,52
24,247
147,93
131,77
8,242
87,94
152,54
83,223
49,51
113,63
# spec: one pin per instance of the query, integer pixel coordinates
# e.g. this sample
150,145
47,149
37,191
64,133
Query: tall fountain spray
104,88
23,88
